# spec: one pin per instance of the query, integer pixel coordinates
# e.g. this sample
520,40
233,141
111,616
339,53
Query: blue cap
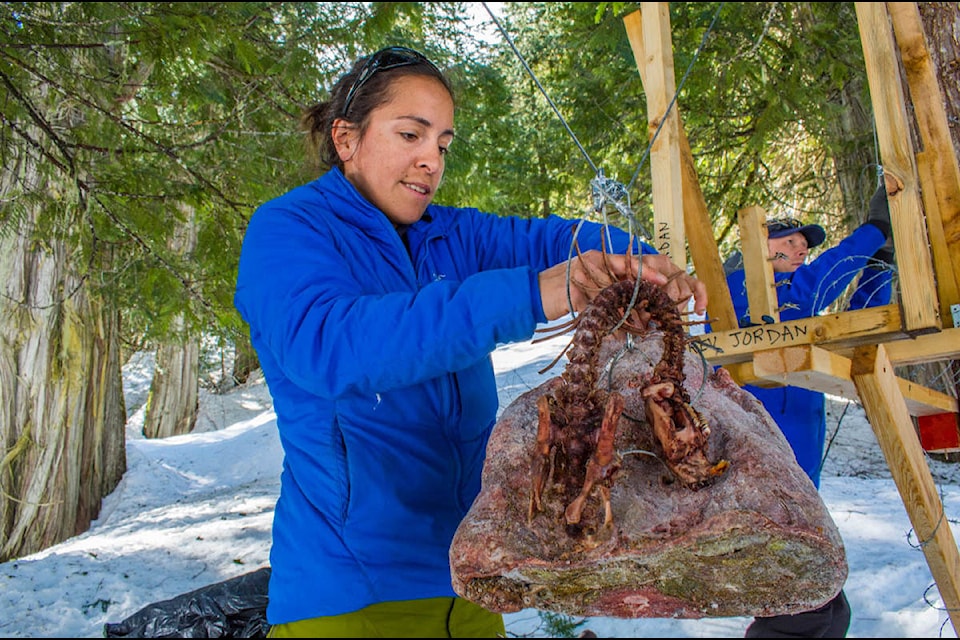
781,227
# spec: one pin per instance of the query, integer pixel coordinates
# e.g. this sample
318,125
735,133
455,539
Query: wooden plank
921,308
761,289
847,329
902,350
938,166
924,401
701,243
663,130
817,369
885,408
931,347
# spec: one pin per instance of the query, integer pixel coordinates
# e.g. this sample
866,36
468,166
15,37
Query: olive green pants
430,618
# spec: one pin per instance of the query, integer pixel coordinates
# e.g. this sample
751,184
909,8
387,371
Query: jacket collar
350,206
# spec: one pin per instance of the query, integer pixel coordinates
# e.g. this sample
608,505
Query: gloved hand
883,255
878,213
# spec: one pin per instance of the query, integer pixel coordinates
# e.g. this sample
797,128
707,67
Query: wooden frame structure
850,354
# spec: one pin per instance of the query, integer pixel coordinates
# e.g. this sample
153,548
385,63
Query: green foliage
760,105
146,119
136,111
759,90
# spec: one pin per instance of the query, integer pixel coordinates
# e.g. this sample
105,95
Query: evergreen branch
44,125
55,45
34,143
184,280
119,122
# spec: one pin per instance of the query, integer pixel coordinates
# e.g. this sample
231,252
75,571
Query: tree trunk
62,415
856,164
245,360
941,26
173,401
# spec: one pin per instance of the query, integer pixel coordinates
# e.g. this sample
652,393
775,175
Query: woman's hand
592,271
679,285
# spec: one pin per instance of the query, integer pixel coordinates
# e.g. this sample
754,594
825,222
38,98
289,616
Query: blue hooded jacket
801,413
376,350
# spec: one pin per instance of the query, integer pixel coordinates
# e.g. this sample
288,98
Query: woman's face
788,253
398,163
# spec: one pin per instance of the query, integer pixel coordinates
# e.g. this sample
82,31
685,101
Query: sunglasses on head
389,58
783,224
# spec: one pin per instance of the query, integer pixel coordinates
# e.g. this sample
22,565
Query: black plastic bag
235,608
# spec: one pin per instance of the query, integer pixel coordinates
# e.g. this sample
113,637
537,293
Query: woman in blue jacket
804,290
374,314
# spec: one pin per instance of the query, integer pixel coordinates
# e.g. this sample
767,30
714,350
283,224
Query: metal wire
605,183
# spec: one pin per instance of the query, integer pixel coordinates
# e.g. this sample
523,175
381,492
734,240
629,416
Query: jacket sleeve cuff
536,302
885,227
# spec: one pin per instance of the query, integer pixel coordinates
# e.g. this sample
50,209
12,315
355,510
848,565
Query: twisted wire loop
932,604
607,193
933,532
607,190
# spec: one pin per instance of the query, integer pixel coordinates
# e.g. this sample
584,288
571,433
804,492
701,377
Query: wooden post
663,130
921,309
761,288
937,164
702,245
886,410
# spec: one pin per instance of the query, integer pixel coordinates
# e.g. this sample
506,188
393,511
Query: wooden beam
818,369
921,308
837,332
847,329
702,246
697,225
761,288
938,167
931,347
924,401
944,246
887,412
663,131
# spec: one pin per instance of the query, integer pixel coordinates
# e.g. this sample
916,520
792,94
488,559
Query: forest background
138,138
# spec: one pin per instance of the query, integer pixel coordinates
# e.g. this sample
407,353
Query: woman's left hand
591,271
